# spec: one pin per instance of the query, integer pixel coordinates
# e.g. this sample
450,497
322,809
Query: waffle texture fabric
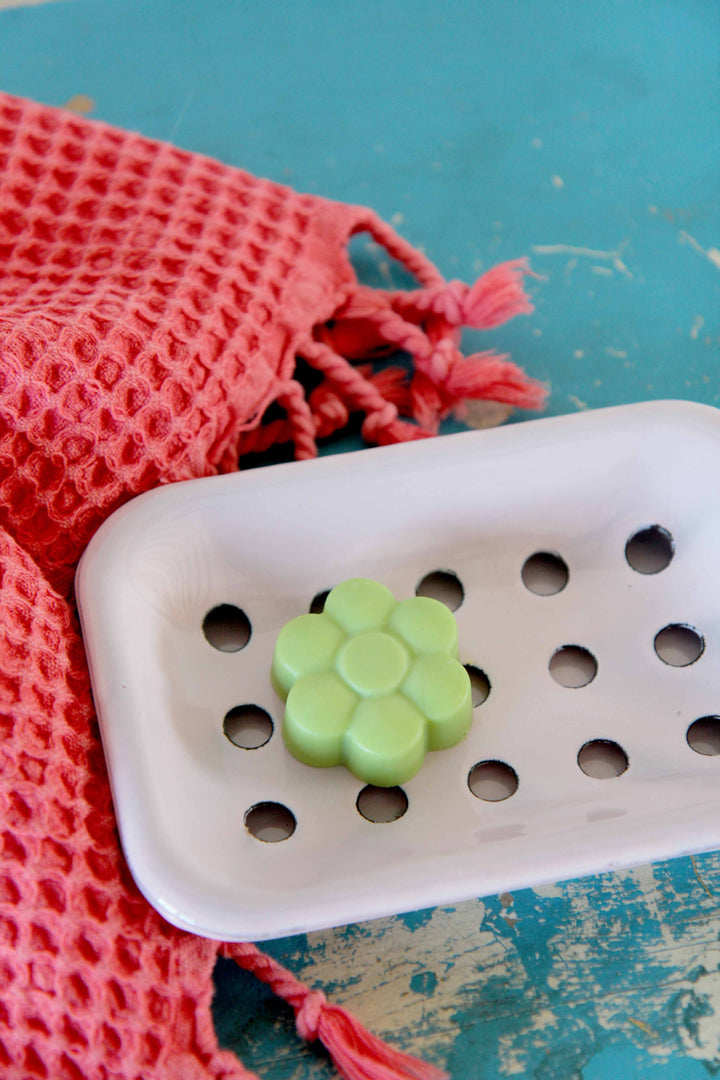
153,303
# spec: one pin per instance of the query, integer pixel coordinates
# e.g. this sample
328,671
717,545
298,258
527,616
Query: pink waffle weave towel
153,303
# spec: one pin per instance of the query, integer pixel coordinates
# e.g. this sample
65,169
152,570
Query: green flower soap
372,683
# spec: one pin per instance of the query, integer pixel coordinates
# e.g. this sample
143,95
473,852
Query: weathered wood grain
619,973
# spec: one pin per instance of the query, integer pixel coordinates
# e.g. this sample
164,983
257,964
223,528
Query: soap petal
386,742
440,688
318,711
426,625
359,605
306,645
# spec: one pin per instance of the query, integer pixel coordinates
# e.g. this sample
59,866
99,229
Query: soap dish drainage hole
602,759
227,628
492,781
317,605
442,585
270,822
480,685
545,573
703,736
382,805
573,666
248,726
650,550
679,645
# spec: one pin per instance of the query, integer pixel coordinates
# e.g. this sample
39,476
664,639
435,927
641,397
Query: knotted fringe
357,1054
426,323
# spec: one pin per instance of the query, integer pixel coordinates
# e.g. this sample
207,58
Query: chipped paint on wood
80,103
617,975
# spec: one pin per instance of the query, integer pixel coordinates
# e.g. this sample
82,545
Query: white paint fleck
536,144
613,256
557,181
537,332
579,354
384,268
485,414
712,254
605,271
620,265
398,218
576,401
82,104
580,252
376,973
551,890
697,326
686,238
512,1056
619,354
542,1019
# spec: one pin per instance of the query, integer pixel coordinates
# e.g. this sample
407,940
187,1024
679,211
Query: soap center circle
373,663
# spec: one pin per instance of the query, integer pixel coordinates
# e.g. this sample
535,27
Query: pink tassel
391,383
486,375
377,430
427,404
426,323
357,1053
497,296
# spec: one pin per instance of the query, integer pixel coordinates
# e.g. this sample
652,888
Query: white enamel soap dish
582,554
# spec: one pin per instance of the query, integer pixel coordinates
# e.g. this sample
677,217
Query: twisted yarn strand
302,425
412,259
357,1054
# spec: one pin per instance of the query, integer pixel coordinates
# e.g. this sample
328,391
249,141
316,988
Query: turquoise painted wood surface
614,977
586,135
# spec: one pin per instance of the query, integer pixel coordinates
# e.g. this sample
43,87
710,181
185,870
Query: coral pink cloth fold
153,303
